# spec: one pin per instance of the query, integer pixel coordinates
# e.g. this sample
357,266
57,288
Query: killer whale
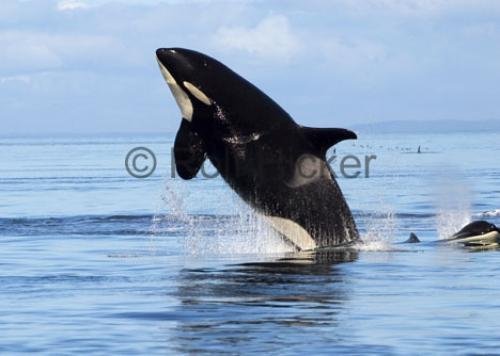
477,234
275,165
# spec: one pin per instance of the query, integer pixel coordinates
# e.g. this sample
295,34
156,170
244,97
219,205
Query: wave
382,215
77,225
210,234
489,214
145,224
104,225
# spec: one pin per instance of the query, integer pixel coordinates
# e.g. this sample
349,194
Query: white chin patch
293,232
180,95
485,239
197,93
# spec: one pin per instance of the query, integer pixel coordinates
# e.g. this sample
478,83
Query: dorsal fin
189,151
413,239
323,139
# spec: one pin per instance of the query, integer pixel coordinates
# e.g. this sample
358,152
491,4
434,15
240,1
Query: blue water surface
93,260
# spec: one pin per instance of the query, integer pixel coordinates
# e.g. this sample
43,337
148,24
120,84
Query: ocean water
93,260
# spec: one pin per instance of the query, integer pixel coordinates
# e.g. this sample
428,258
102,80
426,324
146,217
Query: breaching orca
275,165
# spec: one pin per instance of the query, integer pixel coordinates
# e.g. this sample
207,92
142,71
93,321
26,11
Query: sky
88,67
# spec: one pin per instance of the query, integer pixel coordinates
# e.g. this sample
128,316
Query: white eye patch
197,93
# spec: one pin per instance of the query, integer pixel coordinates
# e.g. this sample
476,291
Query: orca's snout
182,59
166,56
180,62
161,52
177,54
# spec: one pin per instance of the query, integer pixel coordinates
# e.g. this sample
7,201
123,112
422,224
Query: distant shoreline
429,126
381,127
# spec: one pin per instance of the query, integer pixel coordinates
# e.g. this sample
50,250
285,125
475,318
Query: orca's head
200,83
180,67
476,228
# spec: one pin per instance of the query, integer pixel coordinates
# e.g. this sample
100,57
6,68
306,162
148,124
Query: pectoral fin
189,151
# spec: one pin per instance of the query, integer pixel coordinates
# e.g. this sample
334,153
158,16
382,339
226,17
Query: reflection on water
223,309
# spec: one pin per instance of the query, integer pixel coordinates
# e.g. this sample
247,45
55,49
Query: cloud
406,7
22,52
422,8
483,30
25,79
352,54
29,51
71,5
271,38
401,59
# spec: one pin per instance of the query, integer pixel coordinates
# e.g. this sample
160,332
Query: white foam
374,245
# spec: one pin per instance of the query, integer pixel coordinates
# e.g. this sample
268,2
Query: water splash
453,208
380,232
172,221
244,233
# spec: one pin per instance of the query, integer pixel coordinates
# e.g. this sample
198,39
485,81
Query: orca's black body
272,163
